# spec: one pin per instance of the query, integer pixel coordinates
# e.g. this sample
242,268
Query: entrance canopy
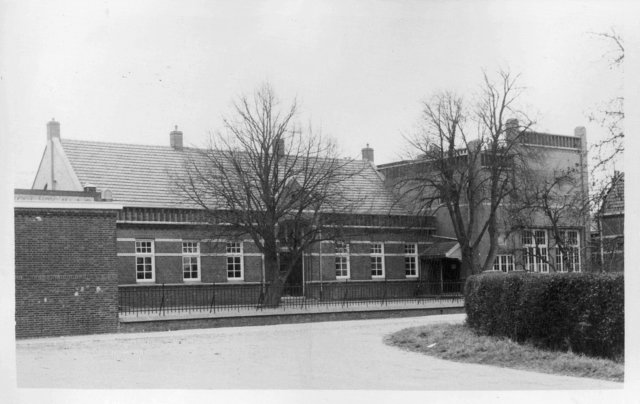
443,249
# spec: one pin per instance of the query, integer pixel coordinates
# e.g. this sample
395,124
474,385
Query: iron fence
217,298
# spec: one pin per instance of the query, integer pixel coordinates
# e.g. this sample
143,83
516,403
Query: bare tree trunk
274,293
275,285
470,264
493,246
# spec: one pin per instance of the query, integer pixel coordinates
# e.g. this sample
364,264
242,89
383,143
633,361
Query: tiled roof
144,175
614,199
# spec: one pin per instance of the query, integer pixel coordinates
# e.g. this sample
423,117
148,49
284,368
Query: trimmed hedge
563,311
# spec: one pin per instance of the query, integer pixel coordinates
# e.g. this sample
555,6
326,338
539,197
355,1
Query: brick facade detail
66,274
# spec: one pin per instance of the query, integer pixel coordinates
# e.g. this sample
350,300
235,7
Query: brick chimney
367,153
53,129
511,129
279,148
175,139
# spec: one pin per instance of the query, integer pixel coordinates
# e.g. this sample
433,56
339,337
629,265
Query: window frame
535,255
504,263
575,260
232,253
411,255
377,257
191,255
341,251
143,255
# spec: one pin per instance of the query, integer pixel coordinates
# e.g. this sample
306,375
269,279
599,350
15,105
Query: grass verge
458,343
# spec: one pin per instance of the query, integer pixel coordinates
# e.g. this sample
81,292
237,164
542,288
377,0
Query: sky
128,71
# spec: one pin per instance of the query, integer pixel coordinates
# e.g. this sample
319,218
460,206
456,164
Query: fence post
161,311
260,305
346,290
384,292
212,305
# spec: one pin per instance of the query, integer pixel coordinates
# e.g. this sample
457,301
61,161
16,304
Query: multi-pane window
410,260
191,260
503,262
342,259
144,261
570,259
234,260
535,250
377,260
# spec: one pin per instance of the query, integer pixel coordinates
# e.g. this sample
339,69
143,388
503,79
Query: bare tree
470,155
610,116
267,178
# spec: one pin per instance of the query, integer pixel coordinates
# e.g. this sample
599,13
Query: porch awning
442,249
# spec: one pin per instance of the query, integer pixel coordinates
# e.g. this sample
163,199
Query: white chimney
53,129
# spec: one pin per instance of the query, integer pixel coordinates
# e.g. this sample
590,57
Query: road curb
131,326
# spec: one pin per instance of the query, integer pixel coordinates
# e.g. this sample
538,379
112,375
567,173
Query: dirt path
331,355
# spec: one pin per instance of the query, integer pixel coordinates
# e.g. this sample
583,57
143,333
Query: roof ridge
64,140
346,159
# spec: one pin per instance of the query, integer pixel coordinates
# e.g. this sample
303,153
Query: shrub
579,312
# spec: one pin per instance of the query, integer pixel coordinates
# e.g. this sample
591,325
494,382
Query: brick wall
66,278
168,249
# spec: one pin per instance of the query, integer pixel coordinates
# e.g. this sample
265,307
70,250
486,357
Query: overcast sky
128,71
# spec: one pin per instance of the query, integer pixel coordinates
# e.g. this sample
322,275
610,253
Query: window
377,260
342,260
410,260
570,260
234,261
535,250
144,261
503,262
190,260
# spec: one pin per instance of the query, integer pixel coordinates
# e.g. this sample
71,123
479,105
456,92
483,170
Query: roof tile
145,175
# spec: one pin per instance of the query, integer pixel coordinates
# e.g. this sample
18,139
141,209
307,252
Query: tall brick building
529,244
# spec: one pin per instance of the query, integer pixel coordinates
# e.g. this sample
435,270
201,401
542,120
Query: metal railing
217,298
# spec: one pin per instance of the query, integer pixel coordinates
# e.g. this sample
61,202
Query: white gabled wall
63,178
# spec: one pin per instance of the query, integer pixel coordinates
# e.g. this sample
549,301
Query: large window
144,261
377,260
535,250
190,260
342,260
411,260
503,262
234,261
570,259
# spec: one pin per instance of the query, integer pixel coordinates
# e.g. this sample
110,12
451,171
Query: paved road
331,355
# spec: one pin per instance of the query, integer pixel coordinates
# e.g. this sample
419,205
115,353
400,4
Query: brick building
163,239
104,221
608,238
523,244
